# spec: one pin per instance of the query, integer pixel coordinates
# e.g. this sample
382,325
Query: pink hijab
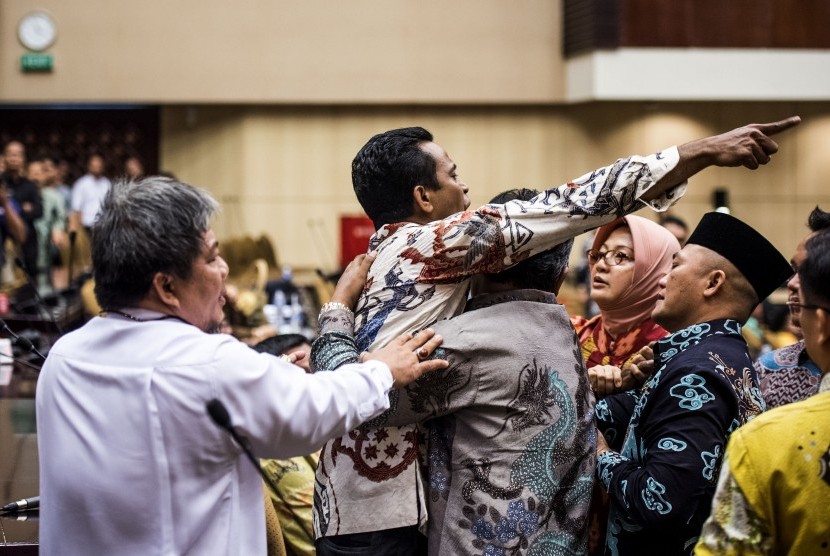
654,247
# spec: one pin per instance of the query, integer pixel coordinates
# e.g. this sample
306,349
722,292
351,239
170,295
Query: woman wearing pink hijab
628,258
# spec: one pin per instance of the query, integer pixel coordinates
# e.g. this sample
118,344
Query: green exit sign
32,62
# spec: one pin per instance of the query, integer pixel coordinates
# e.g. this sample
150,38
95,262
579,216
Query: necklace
106,312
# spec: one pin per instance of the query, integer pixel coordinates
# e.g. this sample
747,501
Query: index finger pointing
779,126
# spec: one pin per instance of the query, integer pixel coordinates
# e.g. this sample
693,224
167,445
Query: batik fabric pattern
293,499
512,443
787,375
599,348
420,276
774,492
662,482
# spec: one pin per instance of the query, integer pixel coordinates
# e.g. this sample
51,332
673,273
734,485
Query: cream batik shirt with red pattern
369,480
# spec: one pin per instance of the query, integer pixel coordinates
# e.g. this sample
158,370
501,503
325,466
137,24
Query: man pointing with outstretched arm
369,495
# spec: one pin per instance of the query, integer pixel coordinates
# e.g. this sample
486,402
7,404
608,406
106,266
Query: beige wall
295,51
286,170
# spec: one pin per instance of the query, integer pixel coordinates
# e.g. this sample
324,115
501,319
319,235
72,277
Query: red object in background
355,231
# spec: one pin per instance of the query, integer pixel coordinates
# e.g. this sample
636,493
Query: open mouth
598,282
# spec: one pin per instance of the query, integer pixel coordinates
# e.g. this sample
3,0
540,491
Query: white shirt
130,461
87,195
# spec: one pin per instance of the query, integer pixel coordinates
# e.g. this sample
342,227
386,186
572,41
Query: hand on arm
749,146
351,283
638,369
608,379
605,379
335,345
406,356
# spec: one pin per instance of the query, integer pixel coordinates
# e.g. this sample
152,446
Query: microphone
25,515
21,505
20,341
219,413
41,303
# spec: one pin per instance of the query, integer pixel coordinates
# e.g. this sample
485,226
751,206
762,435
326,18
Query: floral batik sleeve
733,528
495,237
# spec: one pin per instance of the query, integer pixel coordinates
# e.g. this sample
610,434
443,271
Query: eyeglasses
611,258
793,304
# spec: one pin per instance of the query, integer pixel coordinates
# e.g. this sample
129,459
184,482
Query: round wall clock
37,31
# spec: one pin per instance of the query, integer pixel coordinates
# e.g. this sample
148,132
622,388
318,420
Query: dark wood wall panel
590,24
698,23
807,26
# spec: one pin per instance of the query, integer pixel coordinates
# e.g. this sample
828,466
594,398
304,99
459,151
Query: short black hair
278,345
669,219
542,270
387,168
48,157
814,273
818,220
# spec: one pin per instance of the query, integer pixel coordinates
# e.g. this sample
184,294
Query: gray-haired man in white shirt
130,462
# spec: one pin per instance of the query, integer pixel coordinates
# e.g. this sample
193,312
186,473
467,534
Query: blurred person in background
63,187
133,168
27,197
51,229
294,478
789,374
677,226
87,195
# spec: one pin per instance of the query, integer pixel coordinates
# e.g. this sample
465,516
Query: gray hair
150,225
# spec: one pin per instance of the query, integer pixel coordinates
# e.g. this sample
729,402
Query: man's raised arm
748,146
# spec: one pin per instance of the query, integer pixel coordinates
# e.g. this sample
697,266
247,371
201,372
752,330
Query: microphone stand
40,302
20,341
21,361
219,413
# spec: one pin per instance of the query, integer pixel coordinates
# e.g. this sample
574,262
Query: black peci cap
752,254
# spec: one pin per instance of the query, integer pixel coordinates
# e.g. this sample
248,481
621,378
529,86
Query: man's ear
715,282
560,280
823,317
163,288
421,200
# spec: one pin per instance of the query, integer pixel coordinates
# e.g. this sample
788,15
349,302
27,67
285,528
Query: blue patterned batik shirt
662,482
787,375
